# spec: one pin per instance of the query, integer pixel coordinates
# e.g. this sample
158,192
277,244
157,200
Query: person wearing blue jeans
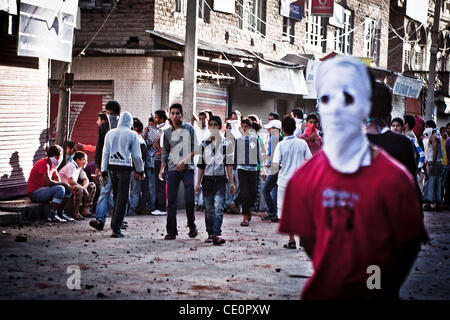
216,158
177,153
45,185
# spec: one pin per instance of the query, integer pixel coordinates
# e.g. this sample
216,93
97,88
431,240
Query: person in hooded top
121,151
353,206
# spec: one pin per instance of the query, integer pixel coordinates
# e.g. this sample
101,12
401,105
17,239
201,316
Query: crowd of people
348,180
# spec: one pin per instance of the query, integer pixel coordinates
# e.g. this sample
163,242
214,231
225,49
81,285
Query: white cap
273,124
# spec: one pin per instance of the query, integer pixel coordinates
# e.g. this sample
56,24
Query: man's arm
231,178
199,179
435,145
48,176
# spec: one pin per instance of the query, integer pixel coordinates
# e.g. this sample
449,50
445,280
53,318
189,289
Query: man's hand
85,192
180,166
104,180
97,172
313,136
197,188
263,175
161,175
232,188
136,176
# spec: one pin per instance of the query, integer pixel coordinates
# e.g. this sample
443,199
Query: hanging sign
407,87
292,9
322,8
46,28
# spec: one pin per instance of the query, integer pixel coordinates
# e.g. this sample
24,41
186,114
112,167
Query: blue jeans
269,186
135,195
173,182
432,187
105,202
54,194
214,200
148,188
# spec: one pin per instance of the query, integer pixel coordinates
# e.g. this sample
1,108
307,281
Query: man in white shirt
297,114
202,133
83,193
290,154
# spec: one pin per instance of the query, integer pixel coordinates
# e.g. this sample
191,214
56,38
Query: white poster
407,87
283,80
337,19
226,6
311,70
417,10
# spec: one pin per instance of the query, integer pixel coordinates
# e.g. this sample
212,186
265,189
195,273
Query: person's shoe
170,237
97,224
63,216
78,217
290,245
124,225
159,213
268,217
437,207
218,241
276,219
427,207
193,232
244,223
55,218
117,235
234,208
86,213
209,240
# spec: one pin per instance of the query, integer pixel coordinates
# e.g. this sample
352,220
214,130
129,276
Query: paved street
251,265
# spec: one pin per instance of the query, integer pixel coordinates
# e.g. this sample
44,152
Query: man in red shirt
354,207
44,185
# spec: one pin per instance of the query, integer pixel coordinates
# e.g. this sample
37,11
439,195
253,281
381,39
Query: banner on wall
46,28
407,87
322,8
226,6
417,10
292,9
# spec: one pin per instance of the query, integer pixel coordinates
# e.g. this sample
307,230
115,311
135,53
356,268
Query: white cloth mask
428,132
55,162
344,90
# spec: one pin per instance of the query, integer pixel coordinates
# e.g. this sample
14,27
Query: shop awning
282,79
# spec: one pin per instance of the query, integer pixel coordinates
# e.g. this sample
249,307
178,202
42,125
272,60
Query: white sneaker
158,213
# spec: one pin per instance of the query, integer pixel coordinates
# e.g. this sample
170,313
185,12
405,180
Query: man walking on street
104,202
177,153
214,164
121,152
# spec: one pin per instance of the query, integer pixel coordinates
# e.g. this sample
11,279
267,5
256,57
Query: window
288,30
203,10
95,3
314,31
252,14
369,37
343,36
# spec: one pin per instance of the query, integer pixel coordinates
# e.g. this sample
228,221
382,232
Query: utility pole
62,126
429,109
190,61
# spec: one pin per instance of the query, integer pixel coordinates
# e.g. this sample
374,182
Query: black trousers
120,181
160,188
248,187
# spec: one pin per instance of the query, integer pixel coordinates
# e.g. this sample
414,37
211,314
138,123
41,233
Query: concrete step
21,210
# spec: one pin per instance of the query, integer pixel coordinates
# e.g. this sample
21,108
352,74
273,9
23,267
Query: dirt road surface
251,265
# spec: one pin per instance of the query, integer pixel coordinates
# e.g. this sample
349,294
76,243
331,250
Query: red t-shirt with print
357,220
37,175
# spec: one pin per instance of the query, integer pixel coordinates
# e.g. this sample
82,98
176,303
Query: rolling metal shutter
23,124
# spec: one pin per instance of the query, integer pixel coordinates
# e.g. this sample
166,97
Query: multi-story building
137,58
410,47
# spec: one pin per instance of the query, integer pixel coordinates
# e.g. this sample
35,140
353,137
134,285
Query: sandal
290,245
244,224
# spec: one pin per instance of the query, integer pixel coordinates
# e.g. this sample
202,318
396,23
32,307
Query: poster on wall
292,9
226,6
322,8
407,87
311,70
283,80
46,28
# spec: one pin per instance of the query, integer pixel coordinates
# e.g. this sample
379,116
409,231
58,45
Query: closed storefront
88,98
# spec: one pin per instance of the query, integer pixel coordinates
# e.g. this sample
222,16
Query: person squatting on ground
104,202
352,205
121,152
290,154
45,185
83,194
177,153
247,154
215,163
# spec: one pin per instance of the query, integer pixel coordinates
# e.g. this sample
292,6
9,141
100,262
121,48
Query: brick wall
130,19
133,78
168,21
